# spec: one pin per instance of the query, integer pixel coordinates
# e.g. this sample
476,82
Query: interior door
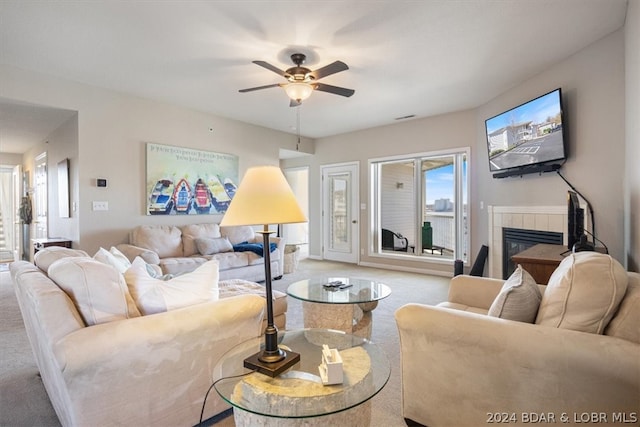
340,215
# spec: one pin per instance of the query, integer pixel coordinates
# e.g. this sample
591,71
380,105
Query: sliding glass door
420,205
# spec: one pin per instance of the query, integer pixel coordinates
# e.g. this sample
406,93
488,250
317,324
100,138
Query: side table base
359,416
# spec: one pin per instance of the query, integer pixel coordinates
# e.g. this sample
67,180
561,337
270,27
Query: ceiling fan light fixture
298,91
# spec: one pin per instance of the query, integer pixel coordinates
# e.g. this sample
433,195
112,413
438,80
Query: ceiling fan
302,81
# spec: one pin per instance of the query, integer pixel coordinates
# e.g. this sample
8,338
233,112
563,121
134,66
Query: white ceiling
417,58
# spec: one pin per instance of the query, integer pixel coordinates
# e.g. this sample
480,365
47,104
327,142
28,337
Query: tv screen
529,135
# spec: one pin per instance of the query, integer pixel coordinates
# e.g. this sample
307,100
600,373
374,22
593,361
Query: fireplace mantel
539,218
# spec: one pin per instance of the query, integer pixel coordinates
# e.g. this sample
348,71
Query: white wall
592,81
112,131
453,130
632,109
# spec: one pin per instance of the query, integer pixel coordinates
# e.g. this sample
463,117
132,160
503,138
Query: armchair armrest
131,252
460,367
474,291
153,360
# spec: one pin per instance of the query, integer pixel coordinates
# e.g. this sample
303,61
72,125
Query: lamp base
275,368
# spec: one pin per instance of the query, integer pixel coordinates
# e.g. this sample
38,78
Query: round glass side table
341,303
298,397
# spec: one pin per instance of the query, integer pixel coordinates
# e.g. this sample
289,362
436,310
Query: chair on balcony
394,241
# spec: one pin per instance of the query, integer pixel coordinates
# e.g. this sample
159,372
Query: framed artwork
184,181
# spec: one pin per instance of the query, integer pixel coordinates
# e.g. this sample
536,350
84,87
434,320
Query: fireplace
516,240
538,218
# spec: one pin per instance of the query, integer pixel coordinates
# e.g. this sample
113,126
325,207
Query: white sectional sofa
176,249
118,365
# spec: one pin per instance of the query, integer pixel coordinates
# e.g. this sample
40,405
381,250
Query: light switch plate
100,206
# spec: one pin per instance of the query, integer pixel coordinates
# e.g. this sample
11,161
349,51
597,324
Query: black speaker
457,267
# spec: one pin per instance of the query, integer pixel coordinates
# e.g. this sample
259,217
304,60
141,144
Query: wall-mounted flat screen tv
527,138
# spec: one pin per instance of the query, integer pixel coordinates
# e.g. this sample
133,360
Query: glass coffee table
298,396
340,303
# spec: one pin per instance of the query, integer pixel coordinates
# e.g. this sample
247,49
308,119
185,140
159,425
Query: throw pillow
518,299
583,293
106,257
154,295
213,246
122,258
47,256
98,290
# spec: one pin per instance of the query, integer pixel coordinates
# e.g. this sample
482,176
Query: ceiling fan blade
251,89
334,67
334,89
270,67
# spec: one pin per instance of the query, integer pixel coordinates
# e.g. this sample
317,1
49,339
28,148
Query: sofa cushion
156,296
583,293
519,298
180,265
98,290
229,260
626,320
213,246
165,240
47,256
233,287
192,232
238,234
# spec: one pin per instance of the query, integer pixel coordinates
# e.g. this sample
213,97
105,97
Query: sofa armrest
132,251
163,363
280,242
458,368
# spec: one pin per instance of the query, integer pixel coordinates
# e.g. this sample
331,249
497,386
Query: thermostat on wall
101,182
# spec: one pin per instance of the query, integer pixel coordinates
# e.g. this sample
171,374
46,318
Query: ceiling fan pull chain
298,127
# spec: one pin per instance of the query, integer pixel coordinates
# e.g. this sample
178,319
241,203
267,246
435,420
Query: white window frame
463,237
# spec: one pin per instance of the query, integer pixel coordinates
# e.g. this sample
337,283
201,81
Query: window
420,205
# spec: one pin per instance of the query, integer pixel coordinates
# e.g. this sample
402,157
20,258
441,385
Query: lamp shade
263,197
298,91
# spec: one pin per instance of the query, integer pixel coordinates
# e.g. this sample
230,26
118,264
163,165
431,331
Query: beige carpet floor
24,402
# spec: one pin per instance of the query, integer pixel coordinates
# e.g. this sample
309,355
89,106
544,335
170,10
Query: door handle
354,221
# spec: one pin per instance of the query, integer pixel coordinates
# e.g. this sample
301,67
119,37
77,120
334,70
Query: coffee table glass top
338,290
299,392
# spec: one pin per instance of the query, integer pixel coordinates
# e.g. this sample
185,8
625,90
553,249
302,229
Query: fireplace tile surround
539,218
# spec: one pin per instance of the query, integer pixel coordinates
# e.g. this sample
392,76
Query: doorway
340,215
298,234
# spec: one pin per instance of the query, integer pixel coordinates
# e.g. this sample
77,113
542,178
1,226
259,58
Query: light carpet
24,401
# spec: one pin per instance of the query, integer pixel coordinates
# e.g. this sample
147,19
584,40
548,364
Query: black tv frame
551,165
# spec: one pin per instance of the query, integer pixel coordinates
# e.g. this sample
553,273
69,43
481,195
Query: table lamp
264,198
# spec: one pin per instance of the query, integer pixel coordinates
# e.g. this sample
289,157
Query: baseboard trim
407,269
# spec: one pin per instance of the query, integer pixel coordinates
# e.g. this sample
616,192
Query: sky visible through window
439,184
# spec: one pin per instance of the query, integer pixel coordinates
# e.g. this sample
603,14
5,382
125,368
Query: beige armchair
461,367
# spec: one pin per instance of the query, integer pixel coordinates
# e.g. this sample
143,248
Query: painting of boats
182,197
230,187
219,197
188,181
161,198
202,200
